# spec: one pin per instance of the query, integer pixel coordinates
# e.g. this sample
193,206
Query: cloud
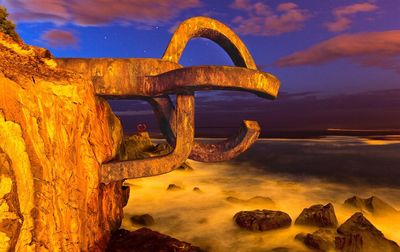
342,15
377,49
93,13
262,20
59,38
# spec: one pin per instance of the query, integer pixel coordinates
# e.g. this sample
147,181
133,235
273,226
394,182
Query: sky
338,60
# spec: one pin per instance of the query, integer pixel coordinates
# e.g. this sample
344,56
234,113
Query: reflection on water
283,170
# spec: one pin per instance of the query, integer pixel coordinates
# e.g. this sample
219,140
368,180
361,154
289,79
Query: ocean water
295,174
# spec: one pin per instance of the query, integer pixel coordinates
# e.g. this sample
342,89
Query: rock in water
139,146
173,187
144,219
319,216
372,205
54,135
257,200
185,167
196,189
358,234
136,146
321,240
146,240
262,220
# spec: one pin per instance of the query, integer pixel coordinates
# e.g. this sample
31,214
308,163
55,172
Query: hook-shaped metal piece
119,170
204,151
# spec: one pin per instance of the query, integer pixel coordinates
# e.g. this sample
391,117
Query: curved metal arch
214,30
212,78
222,35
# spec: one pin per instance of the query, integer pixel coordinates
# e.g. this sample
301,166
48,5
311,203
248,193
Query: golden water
205,219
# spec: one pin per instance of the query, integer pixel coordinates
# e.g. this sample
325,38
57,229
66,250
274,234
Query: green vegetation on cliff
7,26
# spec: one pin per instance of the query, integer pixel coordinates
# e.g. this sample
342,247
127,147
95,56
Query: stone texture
139,146
358,234
143,220
173,187
257,200
321,240
262,220
372,205
54,135
186,167
318,215
146,240
196,189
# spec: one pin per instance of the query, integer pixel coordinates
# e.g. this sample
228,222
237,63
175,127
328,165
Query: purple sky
338,61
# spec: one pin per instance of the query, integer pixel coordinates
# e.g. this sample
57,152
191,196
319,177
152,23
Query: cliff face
54,135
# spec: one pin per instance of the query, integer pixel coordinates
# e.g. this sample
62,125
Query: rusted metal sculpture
155,79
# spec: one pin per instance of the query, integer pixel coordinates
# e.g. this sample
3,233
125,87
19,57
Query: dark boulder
257,200
185,167
318,215
146,240
373,205
125,195
173,187
262,220
358,234
143,220
321,240
196,189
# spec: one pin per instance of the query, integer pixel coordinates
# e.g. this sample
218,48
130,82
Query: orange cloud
59,38
92,12
378,49
342,15
260,19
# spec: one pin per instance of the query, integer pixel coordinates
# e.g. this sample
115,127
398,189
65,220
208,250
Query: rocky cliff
54,135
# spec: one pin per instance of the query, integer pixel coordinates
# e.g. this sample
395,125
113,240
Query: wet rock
125,195
136,146
257,200
185,167
322,239
373,205
318,215
139,146
146,240
196,189
262,220
358,234
143,220
280,249
173,187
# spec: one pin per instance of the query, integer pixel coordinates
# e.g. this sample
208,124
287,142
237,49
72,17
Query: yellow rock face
54,135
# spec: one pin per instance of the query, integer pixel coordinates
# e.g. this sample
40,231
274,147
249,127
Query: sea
294,173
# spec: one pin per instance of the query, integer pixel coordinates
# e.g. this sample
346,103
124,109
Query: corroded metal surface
114,77
155,79
114,171
212,77
214,30
123,77
203,151
229,148
235,48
